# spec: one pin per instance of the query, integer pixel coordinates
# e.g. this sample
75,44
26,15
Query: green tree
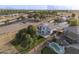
74,22
20,36
53,12
73,15
27,41
31,30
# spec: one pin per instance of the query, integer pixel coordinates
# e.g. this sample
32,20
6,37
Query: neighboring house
44,29
72,33
63,25
63,18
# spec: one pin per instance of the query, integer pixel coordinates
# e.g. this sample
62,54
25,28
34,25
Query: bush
39,37
47,50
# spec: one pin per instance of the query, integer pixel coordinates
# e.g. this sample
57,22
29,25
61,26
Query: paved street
15,27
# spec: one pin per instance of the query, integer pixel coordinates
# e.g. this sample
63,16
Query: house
44,29
72,33
63,25
63,18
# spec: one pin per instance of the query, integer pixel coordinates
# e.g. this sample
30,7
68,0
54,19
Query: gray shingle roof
73,29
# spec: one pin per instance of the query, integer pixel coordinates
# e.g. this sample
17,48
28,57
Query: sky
35,7
23,7
40,4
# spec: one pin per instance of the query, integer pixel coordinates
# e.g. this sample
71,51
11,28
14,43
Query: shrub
47,50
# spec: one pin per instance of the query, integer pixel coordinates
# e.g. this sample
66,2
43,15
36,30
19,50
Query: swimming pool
57,48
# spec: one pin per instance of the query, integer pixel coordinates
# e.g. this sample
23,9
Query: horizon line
36,7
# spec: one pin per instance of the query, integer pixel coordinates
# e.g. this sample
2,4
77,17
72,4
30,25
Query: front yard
27,39
26,50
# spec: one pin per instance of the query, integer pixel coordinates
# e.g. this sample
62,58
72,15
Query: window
43,32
